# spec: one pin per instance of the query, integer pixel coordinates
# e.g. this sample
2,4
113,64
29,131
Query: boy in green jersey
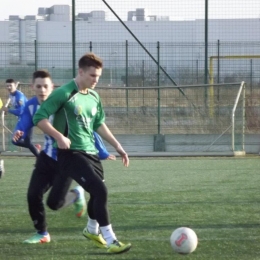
78,112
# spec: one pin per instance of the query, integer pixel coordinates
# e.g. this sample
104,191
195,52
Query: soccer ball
183,240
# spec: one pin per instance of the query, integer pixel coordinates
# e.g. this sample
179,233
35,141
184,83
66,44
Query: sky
175,9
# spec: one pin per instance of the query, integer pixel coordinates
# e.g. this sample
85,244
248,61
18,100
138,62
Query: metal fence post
73,40
35,56
158,83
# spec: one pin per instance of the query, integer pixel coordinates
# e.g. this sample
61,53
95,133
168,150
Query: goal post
238,122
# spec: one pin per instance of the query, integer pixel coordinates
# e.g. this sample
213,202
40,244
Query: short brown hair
41,74
90,60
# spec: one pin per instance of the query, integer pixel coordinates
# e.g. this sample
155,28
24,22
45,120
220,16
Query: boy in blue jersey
18,102
46,174
17,99
15,105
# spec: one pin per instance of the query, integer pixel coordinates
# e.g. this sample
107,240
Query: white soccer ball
184,240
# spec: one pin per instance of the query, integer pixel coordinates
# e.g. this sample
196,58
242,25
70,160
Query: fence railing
207,113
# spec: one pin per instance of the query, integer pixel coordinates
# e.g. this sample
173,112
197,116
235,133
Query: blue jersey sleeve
25,122
20,101
102,150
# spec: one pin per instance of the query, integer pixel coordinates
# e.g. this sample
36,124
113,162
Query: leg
60,196
60,188
88,172
41,181
39,184
90,176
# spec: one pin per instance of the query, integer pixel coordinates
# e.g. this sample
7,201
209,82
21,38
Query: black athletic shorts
85,169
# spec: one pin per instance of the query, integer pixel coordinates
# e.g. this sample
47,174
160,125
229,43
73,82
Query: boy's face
90,76
42,88
11,87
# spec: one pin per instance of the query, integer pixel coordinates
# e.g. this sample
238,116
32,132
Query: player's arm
20,106
62,141
5,107
102,150
23,126
106,134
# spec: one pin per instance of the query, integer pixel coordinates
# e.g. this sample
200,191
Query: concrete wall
181,145
175,145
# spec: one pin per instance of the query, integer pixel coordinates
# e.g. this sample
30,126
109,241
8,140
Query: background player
17,100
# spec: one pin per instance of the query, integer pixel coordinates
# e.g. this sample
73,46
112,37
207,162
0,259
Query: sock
108,234
44,233
70,198
76,193
93,226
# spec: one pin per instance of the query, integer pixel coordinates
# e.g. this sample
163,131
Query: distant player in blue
46,174
16,100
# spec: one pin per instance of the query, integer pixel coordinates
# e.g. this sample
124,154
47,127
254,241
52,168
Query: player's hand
63,142
17,135
5,109
125,160
123,154
111,157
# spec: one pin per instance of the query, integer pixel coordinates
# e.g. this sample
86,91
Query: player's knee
33,198
53,204
101,192
104,192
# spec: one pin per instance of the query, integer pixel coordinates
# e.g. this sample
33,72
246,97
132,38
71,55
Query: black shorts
85,169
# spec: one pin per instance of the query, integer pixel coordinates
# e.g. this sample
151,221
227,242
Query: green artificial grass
217,197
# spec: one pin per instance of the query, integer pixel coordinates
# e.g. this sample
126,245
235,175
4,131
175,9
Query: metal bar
158,91
206,45
35,56
244,116
233,114
73,40
151,56
3,125
182,86
126,75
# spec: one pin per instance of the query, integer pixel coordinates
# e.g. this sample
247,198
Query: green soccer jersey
76,115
